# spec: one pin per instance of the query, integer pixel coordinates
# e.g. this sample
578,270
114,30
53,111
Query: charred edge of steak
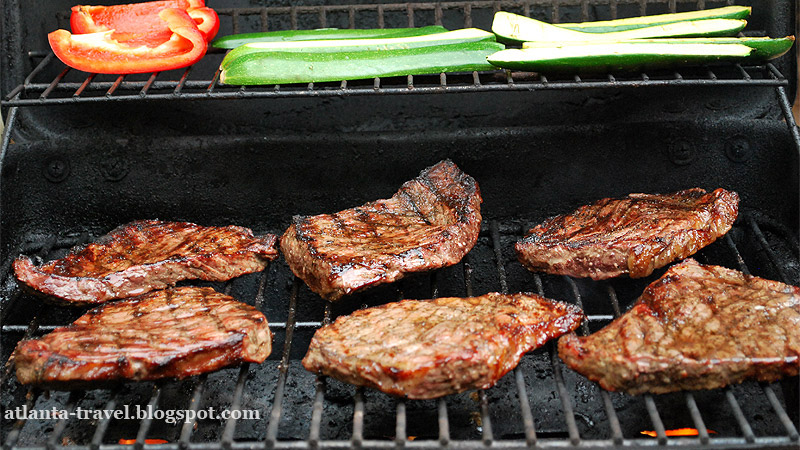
739,327
140,278
121,341
466,343
677,225
442,196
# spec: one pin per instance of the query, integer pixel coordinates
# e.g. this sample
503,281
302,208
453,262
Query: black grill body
84,154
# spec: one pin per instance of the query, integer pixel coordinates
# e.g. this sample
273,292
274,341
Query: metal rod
744,425
400,425
697,418
791,431
144,425
84,85
54,440
563,394
525,408
765,245
13,435
444,423
283,369
236,405
358,418
194,405
18,90
494,229
102,424
486,421
658,425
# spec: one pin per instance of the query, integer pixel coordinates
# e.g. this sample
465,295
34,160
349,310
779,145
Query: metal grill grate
541,403
51,82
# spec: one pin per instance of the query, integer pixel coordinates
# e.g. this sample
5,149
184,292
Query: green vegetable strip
764,48
727,12
326,46
235,40
291,67
516,28
618,56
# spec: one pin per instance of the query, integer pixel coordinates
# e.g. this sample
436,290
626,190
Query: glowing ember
678,432
146,441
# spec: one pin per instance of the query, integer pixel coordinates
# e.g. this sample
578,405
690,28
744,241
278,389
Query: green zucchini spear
339,45
606,26
280,67
235,40
764,48
511,27
616,56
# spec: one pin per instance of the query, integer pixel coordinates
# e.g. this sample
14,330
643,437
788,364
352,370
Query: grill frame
32,93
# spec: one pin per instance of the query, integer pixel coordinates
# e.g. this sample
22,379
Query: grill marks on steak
697,327
176,332
431,222
147,255
425,349
634,235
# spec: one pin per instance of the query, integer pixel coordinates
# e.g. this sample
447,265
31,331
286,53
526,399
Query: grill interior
85,153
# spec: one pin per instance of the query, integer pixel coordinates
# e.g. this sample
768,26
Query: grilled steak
633,235
146,255
424,349
431,222
697,327
177,332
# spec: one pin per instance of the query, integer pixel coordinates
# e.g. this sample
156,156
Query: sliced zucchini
606,26
615,56
764,48
235,40
511,27
279,67
339,45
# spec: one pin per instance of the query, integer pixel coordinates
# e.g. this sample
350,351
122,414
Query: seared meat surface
424,349
634,235
431,222
147,255
697,327
177,332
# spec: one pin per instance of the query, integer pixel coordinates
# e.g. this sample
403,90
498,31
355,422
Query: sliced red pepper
101,53
138,23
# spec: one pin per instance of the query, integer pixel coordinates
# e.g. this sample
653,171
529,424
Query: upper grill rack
50,82
360,405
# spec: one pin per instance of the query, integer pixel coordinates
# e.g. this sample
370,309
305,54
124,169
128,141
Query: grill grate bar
194,405
563,394
236,403
697,418
525,407
102,425
283,369
144,425
611,413
148,84
773,259
444,423
39,67
786,107
744,425
53,84
486,423
358,418
84,85
319,396
61,425
658,425
13,435
791,431
400,426
494,228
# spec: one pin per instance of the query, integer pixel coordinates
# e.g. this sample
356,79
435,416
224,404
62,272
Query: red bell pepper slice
138,23
101,53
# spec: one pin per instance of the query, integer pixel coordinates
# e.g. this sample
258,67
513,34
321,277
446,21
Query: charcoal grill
84,153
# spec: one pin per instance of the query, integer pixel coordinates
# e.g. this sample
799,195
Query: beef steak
634,235
146,255
177,332
697,327
424,349
431,222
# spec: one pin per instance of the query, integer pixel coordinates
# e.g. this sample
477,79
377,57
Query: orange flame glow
678,432
146,441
